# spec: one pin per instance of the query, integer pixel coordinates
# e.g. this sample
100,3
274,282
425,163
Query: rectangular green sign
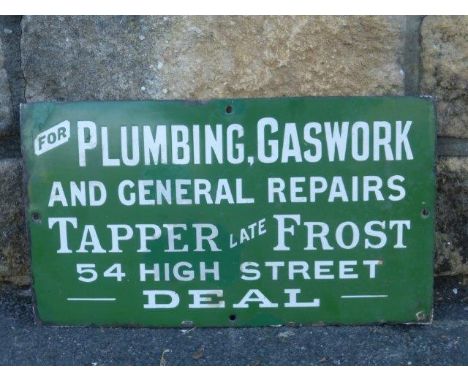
235,212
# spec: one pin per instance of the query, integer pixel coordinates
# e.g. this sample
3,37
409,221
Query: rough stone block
14,259
452,217
10,36
77,58
5,97
445,70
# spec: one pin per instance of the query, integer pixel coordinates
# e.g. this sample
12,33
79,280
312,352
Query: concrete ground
445,342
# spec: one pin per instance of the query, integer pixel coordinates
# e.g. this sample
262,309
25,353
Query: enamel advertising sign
234,212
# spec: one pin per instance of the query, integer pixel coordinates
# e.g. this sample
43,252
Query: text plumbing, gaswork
238,212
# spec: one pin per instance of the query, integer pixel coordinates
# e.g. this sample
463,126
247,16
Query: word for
51,138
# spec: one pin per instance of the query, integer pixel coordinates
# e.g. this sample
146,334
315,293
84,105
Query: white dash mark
91,299
366,296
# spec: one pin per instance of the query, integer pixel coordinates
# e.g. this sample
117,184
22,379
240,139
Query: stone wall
92,58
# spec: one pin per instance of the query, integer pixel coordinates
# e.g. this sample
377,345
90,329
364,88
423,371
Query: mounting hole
425,212
420,316
232,317
36,217
228,109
